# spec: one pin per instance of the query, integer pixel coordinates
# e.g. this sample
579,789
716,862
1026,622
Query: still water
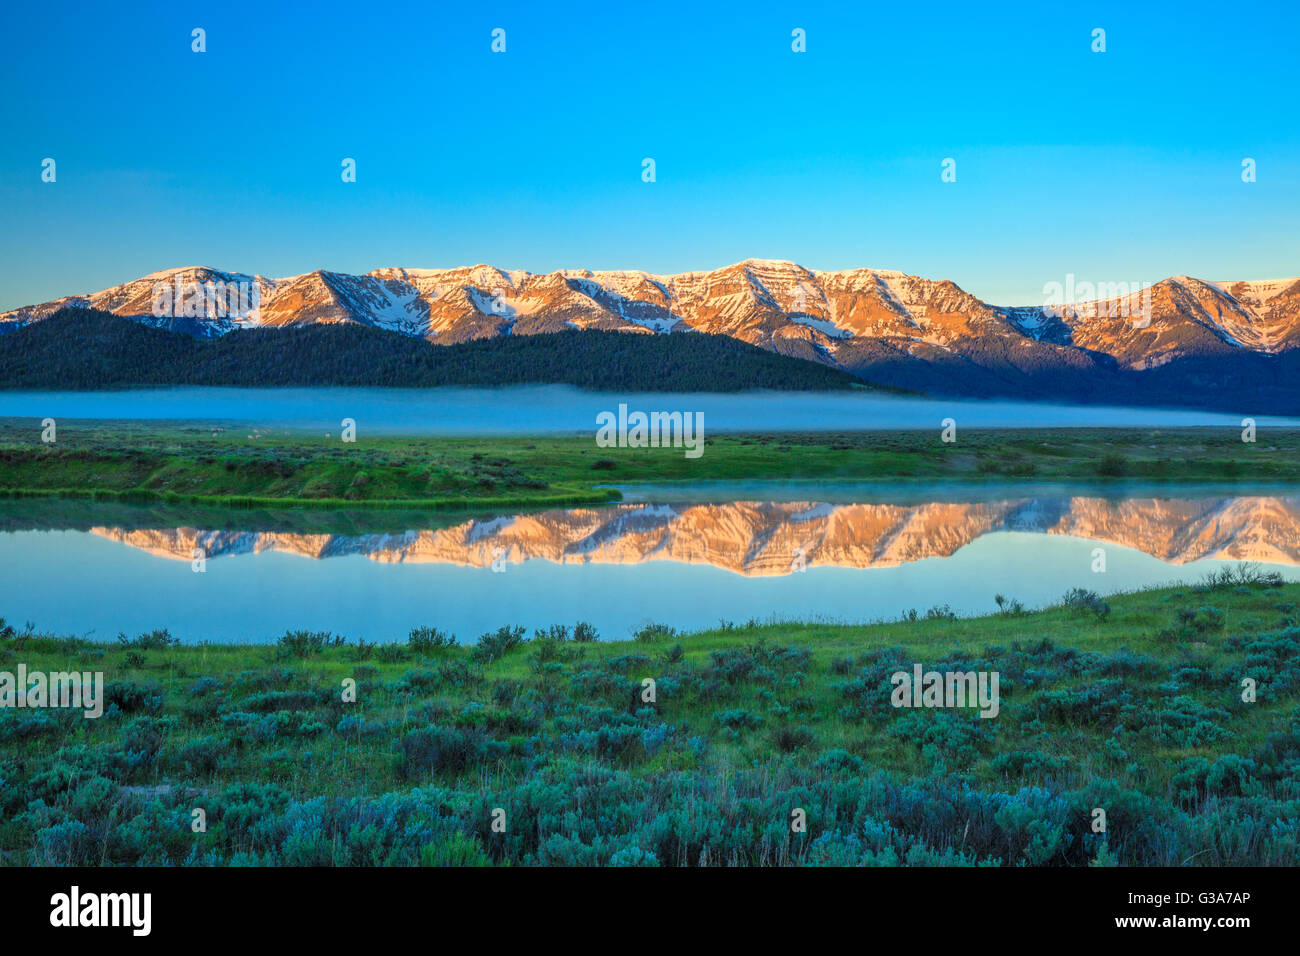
689,558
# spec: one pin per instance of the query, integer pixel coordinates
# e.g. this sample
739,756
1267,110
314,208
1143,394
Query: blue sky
1115,166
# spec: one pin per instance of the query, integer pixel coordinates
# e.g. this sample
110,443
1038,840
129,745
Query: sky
1122,165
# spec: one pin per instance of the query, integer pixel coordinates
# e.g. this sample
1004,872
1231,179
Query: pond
689,558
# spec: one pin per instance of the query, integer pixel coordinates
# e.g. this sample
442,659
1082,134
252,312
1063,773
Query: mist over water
561,408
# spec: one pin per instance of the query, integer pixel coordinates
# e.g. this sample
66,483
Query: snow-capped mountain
886,325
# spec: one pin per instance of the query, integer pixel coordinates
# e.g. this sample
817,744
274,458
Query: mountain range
1180,341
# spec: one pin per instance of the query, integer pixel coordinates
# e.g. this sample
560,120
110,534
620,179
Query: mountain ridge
884,326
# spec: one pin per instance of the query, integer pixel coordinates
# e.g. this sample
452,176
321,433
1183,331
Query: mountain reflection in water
758,539
95,568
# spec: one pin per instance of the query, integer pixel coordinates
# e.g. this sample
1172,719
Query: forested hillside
83,348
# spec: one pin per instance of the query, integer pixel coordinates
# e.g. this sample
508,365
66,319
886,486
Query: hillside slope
80,348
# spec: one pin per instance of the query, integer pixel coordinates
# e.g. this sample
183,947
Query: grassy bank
1132,705
557,497
251,469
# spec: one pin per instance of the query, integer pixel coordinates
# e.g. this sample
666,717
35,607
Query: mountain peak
856,319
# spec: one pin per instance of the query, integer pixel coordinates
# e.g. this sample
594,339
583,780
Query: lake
557,408
687,557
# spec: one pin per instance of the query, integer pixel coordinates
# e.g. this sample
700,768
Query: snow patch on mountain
824,326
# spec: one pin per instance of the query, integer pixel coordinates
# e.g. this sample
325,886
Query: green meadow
758,743
239,467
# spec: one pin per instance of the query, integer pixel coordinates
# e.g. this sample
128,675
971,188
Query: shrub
942,736
837,760
1082,601
739,719
1193,623
242,727
447,749
272,701
203,709
1198,778
940,612
203,756
618,737
357,727
307,643
1248,575
1096,704
204,686
789,739
559,633
391,653
427,640
504,692
653,632
1008,607
143,739
18,725
1019,763
627,662
151,641
633,856
654,738
733,666
1186,722
1112,465
70,843
131,698
496,644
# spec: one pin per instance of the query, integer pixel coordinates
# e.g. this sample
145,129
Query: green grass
246,469
1137,711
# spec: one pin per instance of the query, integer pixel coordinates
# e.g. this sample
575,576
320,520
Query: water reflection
766,538
97,569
